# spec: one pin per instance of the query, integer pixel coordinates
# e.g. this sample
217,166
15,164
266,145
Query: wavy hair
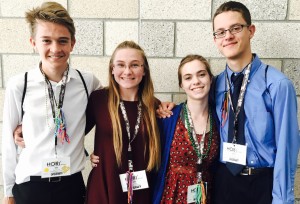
50,12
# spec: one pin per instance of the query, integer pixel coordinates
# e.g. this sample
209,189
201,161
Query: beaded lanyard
236,110
227,97
199,149
57,112
129,150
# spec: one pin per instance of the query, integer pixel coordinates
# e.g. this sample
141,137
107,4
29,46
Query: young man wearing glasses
259,133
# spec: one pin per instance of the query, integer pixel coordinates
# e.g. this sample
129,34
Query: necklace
137,125
57,112
198,147
129,150
201,188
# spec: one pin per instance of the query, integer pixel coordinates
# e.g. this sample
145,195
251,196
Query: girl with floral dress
190,140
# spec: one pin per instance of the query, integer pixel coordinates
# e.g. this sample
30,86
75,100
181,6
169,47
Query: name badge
192,193
139,180
234,153
54,167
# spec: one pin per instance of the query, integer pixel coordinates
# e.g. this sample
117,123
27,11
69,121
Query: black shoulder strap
267,95
24,92
87,95
213,90
266,78
85,87
212,100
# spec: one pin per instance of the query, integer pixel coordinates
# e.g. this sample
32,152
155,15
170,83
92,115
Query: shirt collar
37,74
255,64
39,77
230,72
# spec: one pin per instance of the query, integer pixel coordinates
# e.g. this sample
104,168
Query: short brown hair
234,6
190,58
50,12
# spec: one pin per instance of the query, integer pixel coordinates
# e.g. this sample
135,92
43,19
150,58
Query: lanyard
129,150
241,97
54,105
57,113
136,129
198,146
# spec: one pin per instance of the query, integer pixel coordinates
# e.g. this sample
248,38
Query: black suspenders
25,88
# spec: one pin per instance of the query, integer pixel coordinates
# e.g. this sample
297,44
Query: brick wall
167,30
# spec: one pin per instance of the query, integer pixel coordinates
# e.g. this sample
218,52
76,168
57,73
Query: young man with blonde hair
48,170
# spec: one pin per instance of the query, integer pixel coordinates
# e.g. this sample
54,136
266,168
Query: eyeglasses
131,66
233,30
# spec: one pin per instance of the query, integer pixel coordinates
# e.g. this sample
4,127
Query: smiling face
53,43
128,69
233,46
196,80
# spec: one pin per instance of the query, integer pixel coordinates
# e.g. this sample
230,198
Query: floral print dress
182,170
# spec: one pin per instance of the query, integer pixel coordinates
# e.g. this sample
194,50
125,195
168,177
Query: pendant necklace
57,111
199,149
129,149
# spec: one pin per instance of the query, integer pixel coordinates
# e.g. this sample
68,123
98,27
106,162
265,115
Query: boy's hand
94,160
164,109
8,200
18,136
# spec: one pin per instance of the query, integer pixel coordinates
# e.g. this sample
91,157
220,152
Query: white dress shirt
38,125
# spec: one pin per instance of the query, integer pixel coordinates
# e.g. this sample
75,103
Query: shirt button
251,162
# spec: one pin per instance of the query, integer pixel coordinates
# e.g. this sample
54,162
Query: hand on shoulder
165,109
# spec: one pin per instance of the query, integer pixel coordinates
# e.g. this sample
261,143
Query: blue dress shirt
271,125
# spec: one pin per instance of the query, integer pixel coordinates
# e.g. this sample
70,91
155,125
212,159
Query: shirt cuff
278,201
8,191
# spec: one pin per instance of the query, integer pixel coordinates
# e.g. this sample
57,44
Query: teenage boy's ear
73,43
252,30
32,42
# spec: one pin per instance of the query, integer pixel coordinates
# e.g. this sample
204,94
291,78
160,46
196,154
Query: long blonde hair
146,95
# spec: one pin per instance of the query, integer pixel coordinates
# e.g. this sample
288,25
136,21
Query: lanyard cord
241,98
201,189
136,129
198,146
57,113
53,102
129,150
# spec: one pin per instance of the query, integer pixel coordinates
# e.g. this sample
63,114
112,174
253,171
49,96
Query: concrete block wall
167,30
